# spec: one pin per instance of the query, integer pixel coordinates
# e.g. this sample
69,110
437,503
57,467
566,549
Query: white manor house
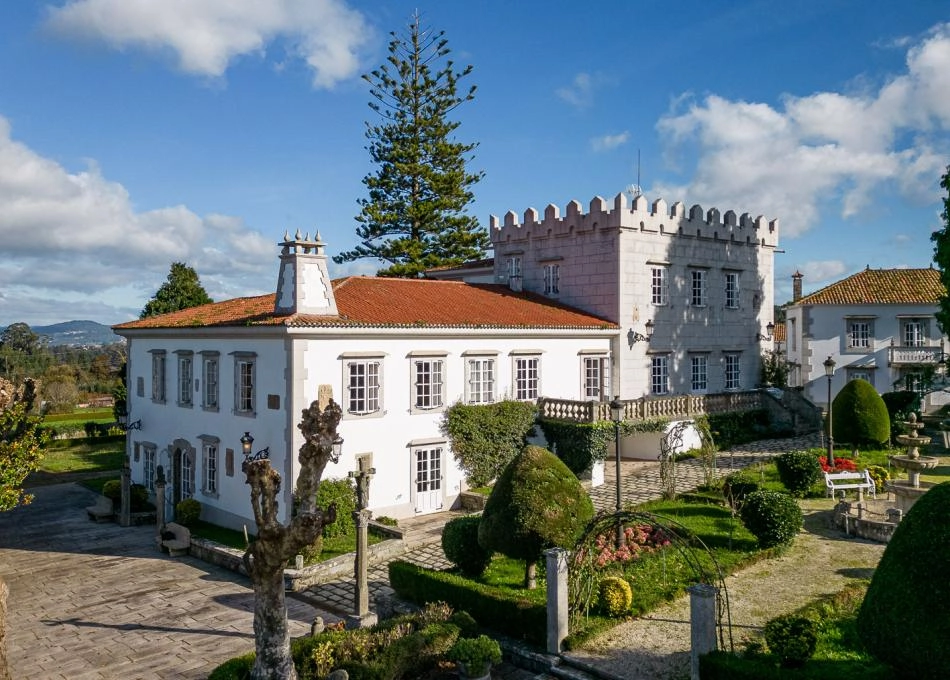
648,302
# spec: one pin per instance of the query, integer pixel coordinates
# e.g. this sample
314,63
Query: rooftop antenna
634,190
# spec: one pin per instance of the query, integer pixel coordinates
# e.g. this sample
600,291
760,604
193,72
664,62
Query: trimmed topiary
615,596
461,546
737,486
774,518
903,620
792,639
799,471
187,512
859,415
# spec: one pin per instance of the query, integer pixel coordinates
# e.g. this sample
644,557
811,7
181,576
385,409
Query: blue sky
136,133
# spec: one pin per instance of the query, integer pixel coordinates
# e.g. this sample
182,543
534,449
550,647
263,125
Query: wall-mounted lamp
247,445
633,337
123,418
336,449
769,329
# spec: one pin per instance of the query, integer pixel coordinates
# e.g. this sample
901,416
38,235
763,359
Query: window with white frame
527,377
185,377
659,285
698,372
697,287
514,266
209,379
732,377
245,390
187,476
859,333
595,377
914,332
480,380
428,383
149,454
363,386
860,374
732,290
209,465
158,376
660,374
552,274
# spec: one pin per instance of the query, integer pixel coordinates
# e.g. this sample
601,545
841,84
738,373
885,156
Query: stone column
159,504
702,618
558,606
125,506
361,616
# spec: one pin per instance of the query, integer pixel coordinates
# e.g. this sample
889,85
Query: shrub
798,470
475,654
880,475
461,546
859,416
792,639
113,491
238,668
138,495
386,521
342,493
772,517
738,485
903,620
187,512
615,596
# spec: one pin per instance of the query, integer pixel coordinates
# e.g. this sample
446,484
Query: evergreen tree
413,218
941,240
181,290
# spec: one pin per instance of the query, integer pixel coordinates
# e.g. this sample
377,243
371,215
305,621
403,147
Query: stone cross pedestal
159,504
125,505
361,617
703,601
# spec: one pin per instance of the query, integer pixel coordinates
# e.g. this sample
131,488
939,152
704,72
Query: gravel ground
821,561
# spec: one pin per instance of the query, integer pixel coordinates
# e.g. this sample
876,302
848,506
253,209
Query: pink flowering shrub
639,539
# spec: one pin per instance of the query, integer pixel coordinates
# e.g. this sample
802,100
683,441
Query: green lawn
91,456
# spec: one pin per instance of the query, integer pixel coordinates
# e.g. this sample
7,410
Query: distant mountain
77,334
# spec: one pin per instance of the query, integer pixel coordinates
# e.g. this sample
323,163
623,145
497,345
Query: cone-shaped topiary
903,619
859,415
537,503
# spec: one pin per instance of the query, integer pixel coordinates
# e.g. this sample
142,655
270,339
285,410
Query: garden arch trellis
584,574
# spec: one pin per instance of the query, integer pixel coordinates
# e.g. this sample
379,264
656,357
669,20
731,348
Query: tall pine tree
941,241
414,216
182,289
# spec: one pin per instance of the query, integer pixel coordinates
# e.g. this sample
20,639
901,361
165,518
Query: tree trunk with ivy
277,543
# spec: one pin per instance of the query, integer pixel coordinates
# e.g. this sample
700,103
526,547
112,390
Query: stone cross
361,616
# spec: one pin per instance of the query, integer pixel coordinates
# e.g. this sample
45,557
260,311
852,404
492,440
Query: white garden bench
840,481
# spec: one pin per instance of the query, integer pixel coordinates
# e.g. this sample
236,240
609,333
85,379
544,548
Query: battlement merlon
640,216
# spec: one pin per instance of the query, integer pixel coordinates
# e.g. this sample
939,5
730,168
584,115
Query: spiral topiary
774,518
616,597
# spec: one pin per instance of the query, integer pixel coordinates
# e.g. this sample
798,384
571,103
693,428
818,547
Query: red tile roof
881,286
371,302
778,335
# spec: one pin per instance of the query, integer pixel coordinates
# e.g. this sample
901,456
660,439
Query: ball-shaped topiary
792,639
461,546
615,596
859,415
798,470
774,518
187,512
903,619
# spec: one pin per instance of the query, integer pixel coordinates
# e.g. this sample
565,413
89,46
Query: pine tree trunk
273,661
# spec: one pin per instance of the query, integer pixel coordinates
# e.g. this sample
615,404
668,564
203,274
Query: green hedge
579,444
726,666
495,608
740,427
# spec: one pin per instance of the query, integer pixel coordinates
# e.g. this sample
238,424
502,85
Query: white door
428,479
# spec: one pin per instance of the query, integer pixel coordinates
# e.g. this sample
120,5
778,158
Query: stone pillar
4,668
702,619
361,616
159,504
125,506
558,606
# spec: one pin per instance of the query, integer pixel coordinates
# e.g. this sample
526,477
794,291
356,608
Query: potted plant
475,656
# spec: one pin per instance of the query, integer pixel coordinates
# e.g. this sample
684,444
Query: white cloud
825,149
580,93
206,36
608,142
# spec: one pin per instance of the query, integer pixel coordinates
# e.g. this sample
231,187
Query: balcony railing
648,408
900,355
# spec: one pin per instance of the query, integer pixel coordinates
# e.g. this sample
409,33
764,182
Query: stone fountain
907,491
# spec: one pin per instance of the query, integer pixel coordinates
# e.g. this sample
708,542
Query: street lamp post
616,415
829,365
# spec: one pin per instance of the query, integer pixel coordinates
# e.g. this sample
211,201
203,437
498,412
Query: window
859,334
697,288
660,374
859,374
595,378
526,377
732,371
698,369
514,266
792,337
480,376
158,376
209,465
659,285
148,466
209,373
732,290
185,377
363,387
428,384
552,272
187,476
244,383
915,331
